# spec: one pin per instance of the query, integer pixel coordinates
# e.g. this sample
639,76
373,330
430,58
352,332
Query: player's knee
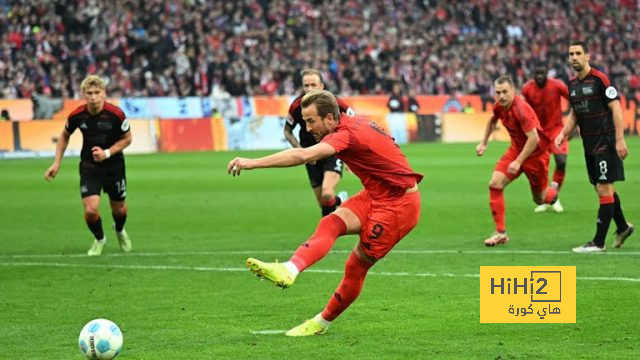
495,184
120,210
328,193
91,214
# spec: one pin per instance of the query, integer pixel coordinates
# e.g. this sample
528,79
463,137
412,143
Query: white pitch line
319,271
268,332
266,252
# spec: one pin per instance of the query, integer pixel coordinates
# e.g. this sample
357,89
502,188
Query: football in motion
100,339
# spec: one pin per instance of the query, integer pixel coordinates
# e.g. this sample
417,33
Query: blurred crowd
255,47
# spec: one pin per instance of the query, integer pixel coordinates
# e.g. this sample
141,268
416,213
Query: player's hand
98,154
481,148
238,164
51,172
621,149
514,167
558,140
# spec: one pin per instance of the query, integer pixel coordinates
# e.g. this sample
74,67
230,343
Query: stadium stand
257,47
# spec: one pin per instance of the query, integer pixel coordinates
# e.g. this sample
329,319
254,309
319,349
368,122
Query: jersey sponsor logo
125,125
587,90
611,92
104,125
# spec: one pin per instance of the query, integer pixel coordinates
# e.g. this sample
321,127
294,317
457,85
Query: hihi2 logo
527,294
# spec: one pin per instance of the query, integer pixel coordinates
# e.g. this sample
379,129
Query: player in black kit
595,108
105,133
324,174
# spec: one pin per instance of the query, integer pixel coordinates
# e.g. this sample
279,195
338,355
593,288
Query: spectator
257,47
395,103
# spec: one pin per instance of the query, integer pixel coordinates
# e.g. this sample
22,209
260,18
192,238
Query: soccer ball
100,339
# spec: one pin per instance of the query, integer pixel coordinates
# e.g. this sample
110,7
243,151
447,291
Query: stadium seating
162,48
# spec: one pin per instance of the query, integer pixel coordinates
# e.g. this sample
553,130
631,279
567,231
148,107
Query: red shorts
536,167
564,146
384,221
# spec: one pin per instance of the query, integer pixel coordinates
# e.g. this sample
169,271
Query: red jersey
546,102
372,156
519,119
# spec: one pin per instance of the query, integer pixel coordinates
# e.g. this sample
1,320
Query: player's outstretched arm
618,123
63,142
285,158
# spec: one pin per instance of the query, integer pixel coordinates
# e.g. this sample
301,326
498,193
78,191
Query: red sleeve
526,116
338,140
563,90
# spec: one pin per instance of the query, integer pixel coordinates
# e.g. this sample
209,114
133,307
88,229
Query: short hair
581,43
325,103
504,79
537,63
92,80
306,72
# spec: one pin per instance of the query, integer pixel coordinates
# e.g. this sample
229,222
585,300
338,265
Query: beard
577,67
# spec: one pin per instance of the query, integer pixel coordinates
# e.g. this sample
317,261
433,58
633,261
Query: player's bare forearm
616,112
491,127
121,144
285,158
570,124
291,138
618,122
61,147
529,146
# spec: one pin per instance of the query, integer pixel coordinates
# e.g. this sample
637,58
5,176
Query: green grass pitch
183,292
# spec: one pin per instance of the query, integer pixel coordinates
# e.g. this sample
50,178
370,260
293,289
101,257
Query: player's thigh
90,180
604,168
388,223
536,168
115,182
360,205
502,165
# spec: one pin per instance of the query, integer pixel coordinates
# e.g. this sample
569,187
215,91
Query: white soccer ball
100,339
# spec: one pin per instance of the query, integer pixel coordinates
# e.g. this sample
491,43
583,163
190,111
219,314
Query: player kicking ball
382,214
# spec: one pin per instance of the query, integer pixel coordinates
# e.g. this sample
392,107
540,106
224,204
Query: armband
107,154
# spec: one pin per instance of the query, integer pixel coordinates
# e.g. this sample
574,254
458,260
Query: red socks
349,288
496,204
551,195
558,177
329,229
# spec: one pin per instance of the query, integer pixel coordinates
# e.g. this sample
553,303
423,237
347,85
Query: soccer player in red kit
545,97
528,153
382,214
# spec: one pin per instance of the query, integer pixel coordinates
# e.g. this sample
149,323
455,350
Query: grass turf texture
183,292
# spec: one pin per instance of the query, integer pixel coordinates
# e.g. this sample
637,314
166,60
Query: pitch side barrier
167,124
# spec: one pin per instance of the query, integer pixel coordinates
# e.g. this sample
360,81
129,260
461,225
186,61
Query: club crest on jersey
611,92
587,90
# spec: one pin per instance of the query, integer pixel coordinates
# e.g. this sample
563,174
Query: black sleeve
71,125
